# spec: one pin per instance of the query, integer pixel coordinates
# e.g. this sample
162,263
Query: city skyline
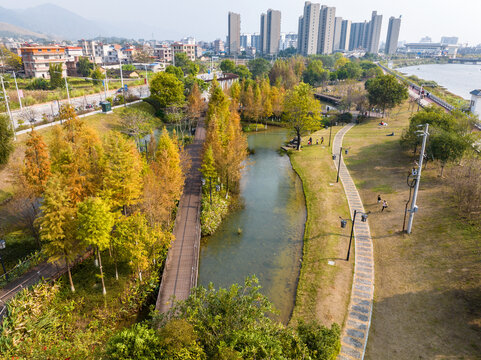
458,22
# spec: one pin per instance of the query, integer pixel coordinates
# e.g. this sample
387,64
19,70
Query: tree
37,163
6,139
447,146
136,123
95,222
302,110
164,184
195,104
259,67
182,61
57,225
122,182
227,66
97,75
55,71
11,59
144,55
350,70
84,66
315,74
386,92
175,70
167,90
242,71
277,100
139,342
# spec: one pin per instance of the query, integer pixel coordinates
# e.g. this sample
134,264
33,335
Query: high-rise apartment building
234,33
449,40
345,35
392,35
263,34
374,33
337,34
245,41
308,30
273,33
325,39
357,38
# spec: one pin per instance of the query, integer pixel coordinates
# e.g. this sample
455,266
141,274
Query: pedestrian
317,141
322,140
379,199
384,205
310,141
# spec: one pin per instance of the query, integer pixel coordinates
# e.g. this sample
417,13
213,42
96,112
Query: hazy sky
207,19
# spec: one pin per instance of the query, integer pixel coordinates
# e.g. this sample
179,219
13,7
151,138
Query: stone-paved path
181,267
356,330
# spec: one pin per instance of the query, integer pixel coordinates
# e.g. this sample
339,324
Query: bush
344,117
38,84
212,215
323,343
138,342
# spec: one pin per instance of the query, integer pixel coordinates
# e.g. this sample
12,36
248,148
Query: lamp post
344,223
2,246
339,166
18,92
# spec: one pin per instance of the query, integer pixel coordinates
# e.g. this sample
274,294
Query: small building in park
475,105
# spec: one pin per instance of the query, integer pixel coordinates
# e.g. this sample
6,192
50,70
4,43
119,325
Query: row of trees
101,194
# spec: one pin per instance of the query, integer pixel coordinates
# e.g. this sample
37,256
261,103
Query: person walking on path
322,140
379,199
384,205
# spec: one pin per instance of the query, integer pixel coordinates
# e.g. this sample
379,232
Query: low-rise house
37,59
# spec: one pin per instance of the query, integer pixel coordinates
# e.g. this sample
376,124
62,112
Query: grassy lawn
323,291
19,243
428,284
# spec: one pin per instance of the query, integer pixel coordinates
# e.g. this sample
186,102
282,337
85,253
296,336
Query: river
271,223
460,79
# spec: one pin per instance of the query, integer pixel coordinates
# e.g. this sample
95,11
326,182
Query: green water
272,223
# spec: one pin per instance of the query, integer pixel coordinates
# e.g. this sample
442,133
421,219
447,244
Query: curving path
356,328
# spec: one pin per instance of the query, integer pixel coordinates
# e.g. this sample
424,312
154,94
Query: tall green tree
386,92
84,66
55,73
227,66
167,90
57,225
315,74
6,139
11,59
301,110
97,75
259,67
94,224
447,146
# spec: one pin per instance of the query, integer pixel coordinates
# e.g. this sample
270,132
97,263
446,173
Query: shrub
323,343
38,84
212,215
138,342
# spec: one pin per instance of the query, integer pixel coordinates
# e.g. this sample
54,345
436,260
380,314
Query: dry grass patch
428,284
323,291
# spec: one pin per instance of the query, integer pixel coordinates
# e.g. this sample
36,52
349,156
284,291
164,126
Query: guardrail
195,267
418,88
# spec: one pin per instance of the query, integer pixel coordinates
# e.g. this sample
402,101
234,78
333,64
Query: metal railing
418,88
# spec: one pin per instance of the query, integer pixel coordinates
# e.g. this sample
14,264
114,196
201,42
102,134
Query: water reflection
272,223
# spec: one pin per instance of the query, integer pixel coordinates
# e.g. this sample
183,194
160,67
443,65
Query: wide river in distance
271,223
460,79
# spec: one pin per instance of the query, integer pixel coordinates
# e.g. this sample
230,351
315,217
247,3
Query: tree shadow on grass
444,324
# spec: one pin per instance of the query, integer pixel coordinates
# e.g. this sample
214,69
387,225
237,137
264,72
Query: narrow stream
272,223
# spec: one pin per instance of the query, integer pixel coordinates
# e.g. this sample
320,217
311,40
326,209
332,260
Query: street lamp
2,246
344,223
339,165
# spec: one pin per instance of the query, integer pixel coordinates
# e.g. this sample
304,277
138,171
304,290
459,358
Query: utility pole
414,207
8,109
18,93
122,79
66,87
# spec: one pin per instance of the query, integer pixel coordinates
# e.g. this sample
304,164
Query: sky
207,19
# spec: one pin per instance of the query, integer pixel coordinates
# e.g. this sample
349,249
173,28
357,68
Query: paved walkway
356,329
181,268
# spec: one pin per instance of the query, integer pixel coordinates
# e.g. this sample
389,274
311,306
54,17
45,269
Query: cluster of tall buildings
268,40
321,32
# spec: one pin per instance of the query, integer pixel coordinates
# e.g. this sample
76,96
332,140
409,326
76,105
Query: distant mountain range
57,22
9,30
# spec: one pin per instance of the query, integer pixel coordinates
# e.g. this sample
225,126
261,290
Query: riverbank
427,288
323,290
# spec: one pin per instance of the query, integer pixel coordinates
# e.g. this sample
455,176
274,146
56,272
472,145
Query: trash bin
106,106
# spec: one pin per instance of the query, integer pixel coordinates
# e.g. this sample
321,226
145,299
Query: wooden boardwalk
181,268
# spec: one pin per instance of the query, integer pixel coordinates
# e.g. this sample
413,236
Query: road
51,108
